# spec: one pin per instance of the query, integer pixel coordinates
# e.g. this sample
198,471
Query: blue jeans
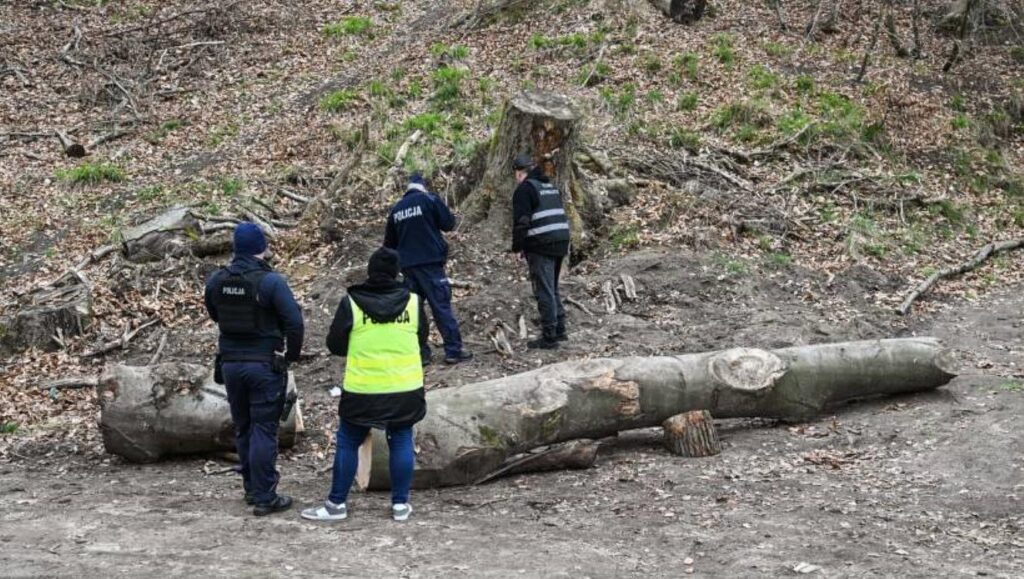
346,460
431,283
256,396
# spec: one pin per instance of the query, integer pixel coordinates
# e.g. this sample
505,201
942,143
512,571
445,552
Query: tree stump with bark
692,434
151,412
472,431
49,315
547,126
682,11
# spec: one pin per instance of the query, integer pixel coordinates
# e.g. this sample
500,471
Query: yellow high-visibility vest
384,358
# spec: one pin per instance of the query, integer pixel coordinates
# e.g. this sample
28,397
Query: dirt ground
923,486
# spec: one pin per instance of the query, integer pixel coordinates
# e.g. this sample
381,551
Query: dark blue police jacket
415,225
273,293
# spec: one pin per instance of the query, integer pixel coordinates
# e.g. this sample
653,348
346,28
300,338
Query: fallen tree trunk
470,432
151,412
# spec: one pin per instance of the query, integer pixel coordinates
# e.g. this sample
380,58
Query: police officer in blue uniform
415,229
261,330
540,230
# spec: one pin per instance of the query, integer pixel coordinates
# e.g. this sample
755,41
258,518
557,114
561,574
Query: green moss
91,173
491,437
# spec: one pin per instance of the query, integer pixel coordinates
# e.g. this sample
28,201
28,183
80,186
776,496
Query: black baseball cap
523,161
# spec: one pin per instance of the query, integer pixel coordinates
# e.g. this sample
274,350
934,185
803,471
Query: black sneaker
463,356
280,503
542,344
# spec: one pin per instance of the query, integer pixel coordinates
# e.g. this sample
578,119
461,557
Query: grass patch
231,186
429,123
339,100
687,63
348,26
777,49
805,84
681,138
593,75
625,237
687,101
961,121
741,113
779,259
165,128
762,79
454,52
8,427
91,174
620,102
732,266
651,63
448,84
723,49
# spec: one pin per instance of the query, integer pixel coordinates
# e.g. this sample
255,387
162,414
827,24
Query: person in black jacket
540,230
257,316
380,328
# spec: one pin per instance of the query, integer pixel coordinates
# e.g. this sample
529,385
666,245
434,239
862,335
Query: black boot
561,334
547,341
280,503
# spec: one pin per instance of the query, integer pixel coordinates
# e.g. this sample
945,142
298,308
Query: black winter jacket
525,201
382,299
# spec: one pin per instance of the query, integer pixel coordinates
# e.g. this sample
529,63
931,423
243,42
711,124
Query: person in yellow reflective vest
380,328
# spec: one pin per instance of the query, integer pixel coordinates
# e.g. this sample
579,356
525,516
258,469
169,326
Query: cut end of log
546,104
747,369
692,434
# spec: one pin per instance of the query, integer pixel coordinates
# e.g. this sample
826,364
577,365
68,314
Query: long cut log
152,412
470,432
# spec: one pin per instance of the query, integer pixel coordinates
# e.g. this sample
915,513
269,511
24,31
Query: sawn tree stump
547,126
692,434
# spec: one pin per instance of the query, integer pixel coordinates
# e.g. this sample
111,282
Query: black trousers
544,273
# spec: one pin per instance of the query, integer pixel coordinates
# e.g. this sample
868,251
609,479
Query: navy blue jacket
274,294
414,228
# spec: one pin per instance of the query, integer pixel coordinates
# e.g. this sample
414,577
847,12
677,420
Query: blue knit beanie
249,239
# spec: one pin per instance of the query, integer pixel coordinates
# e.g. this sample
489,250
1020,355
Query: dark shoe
542,344
561,335
463,356
281,503
250,499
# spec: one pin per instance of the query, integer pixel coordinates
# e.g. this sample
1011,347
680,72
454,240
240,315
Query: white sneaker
326,512
401,511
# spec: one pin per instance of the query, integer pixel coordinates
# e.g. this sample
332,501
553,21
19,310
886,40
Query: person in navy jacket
415,229
258,318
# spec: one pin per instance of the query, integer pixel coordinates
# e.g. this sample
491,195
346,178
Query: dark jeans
401,461
256,395
431,283
544,273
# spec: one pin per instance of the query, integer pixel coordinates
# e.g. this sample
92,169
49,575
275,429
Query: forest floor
842,193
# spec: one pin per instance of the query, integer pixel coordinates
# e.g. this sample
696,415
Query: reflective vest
548,223
239,314
384,358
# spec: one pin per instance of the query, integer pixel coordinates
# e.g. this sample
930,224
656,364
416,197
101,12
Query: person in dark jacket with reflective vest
258,320
380,328
540,230
415,229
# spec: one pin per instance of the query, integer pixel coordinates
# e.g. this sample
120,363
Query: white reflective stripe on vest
547,213
546,228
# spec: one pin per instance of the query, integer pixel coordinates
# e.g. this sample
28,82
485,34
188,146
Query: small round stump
692,434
